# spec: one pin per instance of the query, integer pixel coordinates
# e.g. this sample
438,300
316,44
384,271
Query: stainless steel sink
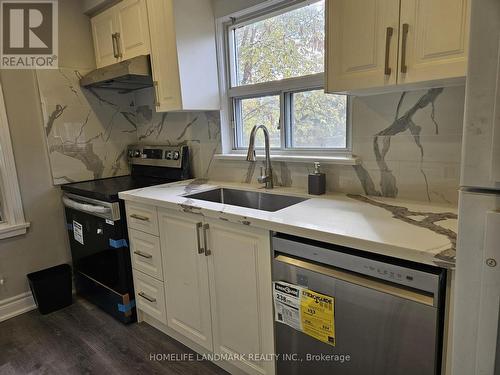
248,199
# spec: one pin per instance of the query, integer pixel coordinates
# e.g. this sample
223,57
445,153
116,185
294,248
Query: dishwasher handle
85,207
367,282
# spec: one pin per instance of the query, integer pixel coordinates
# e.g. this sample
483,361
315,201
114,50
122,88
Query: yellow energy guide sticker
305,310
317,315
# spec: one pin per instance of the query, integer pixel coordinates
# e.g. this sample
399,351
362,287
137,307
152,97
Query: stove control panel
159,156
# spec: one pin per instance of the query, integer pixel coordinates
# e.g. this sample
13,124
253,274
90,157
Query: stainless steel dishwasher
388,314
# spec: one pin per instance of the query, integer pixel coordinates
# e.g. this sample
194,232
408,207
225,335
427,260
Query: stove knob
168,155
176,155
134,153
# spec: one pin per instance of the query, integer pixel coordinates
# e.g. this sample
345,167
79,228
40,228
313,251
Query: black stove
97,227
153,165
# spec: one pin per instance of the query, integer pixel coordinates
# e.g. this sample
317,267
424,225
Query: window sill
12,230
337,159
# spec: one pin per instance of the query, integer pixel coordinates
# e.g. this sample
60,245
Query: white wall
46,242
93,6
225,7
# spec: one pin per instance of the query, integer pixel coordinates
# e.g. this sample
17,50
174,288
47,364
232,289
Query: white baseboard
16,305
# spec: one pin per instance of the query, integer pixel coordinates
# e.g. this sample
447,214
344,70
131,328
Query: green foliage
269,50
286,46
319,120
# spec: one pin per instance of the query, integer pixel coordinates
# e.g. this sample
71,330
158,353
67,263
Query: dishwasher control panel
409,276
389,273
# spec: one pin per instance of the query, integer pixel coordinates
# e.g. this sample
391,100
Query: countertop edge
423,257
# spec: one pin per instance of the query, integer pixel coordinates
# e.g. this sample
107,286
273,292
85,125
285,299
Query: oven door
376,333
101,256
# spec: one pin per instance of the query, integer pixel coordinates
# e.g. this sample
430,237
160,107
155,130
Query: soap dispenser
317,181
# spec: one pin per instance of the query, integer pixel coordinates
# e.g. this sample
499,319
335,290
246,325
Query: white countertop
373,224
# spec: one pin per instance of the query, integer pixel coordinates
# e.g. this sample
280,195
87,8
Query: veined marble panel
199,130
409,142
87,130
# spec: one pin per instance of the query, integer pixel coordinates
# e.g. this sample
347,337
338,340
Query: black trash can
51,288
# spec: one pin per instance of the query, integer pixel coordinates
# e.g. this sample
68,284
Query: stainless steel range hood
125,76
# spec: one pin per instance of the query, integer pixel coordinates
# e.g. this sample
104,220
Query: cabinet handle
139,217
157,97
146,297
388,36
117,37
206,227
144,255
404,42
201,250
113,39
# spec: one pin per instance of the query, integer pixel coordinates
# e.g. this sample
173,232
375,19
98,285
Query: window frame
13,222
284,88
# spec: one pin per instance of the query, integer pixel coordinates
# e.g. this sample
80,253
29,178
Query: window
275,65
12,221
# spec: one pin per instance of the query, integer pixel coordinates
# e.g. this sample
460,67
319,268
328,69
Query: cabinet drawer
150,296
145,253
142,217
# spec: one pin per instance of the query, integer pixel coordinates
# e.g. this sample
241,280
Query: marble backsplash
87,131
409,143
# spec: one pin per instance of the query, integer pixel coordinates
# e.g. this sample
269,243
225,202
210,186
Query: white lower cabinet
240,293
145,253
150,297
186,277
218,286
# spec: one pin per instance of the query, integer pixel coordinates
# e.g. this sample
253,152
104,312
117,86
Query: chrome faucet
266,178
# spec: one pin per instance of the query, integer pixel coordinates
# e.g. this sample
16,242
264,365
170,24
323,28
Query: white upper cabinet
373,45
132,26
103,33
179,36
184,56
362,46
434,40
121,32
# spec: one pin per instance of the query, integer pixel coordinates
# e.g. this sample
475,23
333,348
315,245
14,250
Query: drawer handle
206,227
139,217
146,297
388,36
404,67
144,255
201,250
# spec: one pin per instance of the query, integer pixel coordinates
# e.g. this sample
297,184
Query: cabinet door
133,28
103,28
186,276
164,60
240,291
434,40
362,44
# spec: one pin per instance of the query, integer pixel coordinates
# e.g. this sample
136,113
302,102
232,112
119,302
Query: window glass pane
318,120
260,111
284,46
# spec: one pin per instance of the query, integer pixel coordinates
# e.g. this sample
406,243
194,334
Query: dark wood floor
81,339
